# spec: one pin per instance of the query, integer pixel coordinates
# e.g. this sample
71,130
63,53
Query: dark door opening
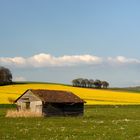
27,105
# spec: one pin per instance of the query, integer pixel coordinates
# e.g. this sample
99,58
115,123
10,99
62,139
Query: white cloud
123,60
20,78
47,60
15,61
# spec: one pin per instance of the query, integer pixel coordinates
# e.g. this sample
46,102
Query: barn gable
28,96
29,101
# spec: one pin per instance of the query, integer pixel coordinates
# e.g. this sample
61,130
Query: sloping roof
55,96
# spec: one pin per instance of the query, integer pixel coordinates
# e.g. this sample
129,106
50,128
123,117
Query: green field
100,122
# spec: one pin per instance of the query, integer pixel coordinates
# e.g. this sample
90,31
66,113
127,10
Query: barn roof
55,96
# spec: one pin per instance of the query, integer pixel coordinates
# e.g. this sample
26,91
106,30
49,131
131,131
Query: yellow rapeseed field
91,96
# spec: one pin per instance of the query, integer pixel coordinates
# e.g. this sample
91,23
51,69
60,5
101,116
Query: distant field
128,89
91,96
99,123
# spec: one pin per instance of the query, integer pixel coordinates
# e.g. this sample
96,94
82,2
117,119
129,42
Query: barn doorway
27,105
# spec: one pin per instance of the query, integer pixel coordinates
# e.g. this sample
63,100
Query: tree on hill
87,82
98,84
5,76
105,84
91,83
75,83
83,83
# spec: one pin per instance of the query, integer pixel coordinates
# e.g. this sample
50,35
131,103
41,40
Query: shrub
11,100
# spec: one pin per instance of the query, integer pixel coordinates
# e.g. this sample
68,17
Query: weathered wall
35,104
63,109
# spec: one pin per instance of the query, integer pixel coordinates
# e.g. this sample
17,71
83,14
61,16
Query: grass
98,123
91,96
116,117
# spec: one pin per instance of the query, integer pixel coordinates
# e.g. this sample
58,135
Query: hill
91,96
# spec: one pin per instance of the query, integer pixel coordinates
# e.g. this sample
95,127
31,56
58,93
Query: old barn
51,102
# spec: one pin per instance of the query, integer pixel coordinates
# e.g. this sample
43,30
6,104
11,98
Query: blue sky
99,39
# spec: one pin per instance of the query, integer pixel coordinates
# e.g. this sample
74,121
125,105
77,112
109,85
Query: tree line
81,82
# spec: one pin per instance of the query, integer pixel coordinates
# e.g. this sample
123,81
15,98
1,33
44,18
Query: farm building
51,102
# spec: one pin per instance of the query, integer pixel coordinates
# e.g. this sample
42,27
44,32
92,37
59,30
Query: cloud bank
19,78
123,60
48,60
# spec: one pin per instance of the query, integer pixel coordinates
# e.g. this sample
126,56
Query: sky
57,41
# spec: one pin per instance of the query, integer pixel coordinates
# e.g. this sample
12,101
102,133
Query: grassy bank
98,123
